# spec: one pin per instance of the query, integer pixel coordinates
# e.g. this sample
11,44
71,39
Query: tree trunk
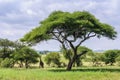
26,64
69,67
20,64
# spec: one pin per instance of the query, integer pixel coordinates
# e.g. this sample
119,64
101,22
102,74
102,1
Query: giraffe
41,64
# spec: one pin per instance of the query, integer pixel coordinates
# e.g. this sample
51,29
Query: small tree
96,59
7,63
26,55
16,55
54,58
110,56
18,58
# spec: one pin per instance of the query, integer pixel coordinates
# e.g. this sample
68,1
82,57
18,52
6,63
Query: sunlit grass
60,74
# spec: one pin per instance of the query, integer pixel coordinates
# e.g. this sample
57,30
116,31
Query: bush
118,60
7,63
53,58
109,57
1,60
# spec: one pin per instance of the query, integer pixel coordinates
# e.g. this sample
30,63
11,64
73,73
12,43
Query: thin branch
85,38
57,38
75,38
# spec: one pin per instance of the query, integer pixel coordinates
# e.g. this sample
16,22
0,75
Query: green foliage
7,63
76,24
110,56
68,54
118,60
54,58
25,55
96,59
80,50
6,48
29,54
5,43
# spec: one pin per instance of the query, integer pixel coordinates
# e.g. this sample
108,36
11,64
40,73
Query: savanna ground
82,73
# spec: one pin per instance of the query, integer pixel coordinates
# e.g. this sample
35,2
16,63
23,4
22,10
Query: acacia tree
71,30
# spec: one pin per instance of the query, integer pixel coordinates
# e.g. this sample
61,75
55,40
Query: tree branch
82,53
85,38
57,38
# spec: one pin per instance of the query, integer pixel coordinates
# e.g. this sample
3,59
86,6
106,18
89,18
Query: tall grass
61,74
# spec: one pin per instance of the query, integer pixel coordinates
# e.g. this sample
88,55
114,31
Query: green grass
84,73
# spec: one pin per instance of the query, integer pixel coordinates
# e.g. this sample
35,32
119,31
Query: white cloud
1,1
19,16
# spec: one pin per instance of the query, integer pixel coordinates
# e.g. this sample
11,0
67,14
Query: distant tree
18,57
71,30
110,56
118,57
53,57
26,55
6,48
29,55
96,59
7,63
118,60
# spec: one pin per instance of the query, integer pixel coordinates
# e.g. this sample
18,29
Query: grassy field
85,73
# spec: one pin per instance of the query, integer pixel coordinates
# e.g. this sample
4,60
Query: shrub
53,58
110,56
27,55
118,60
7,63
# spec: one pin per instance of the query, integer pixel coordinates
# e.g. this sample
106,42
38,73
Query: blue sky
18,17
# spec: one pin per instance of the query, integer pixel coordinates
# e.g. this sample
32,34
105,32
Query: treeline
106,58
18,54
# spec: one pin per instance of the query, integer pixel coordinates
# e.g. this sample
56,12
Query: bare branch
57,38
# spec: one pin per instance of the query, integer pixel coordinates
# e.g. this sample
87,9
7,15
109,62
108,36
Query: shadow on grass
88,70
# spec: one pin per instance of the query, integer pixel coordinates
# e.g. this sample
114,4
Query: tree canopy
82,25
